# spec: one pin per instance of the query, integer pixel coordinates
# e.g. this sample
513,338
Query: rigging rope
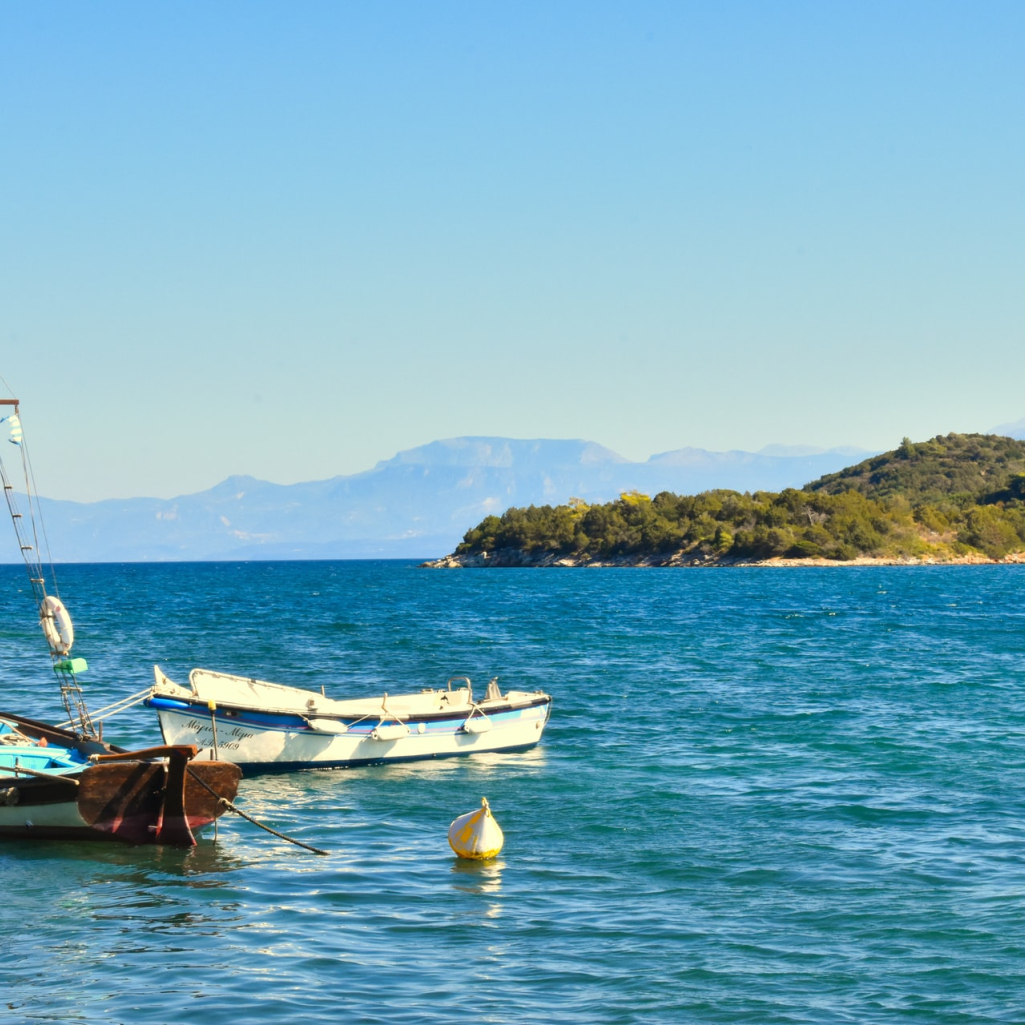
116,708
71,692
249,818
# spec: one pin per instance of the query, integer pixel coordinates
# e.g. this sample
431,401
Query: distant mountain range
415,505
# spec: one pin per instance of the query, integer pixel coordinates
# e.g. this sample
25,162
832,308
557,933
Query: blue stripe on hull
298,724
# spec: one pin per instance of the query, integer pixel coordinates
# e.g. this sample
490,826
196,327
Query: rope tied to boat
225,803
249,818
113,709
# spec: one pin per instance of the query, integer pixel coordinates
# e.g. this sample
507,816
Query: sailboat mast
63,666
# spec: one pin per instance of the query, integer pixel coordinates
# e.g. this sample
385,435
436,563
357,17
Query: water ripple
788,796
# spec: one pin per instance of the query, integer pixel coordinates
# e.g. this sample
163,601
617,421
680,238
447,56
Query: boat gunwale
242,713
63,737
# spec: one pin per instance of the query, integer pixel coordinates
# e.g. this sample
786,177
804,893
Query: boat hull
154,796
259,741
122,802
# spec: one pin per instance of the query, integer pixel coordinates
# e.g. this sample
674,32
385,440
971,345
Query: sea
765,795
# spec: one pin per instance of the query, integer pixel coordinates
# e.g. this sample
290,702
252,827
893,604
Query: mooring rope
249,818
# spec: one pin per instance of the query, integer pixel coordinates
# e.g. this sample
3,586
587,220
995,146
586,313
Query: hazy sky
291,239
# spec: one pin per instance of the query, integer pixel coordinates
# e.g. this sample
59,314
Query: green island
958,498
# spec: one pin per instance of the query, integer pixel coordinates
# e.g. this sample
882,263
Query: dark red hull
154,796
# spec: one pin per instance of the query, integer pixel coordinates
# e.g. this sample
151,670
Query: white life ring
57,626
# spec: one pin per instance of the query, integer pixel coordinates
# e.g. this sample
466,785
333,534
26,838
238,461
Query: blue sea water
765,796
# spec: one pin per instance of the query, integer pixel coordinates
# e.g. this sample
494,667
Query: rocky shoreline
516,558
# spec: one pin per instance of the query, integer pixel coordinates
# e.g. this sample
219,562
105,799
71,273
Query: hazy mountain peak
239,480
686,456
236,486
1013,430
522,454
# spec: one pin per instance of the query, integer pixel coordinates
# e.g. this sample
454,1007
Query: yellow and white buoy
476,835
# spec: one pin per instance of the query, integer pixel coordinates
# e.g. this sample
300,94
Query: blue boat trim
230,715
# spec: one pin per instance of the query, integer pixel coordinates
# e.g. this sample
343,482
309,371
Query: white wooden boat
270,727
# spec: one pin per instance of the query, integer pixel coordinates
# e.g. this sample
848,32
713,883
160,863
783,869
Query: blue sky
291,239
